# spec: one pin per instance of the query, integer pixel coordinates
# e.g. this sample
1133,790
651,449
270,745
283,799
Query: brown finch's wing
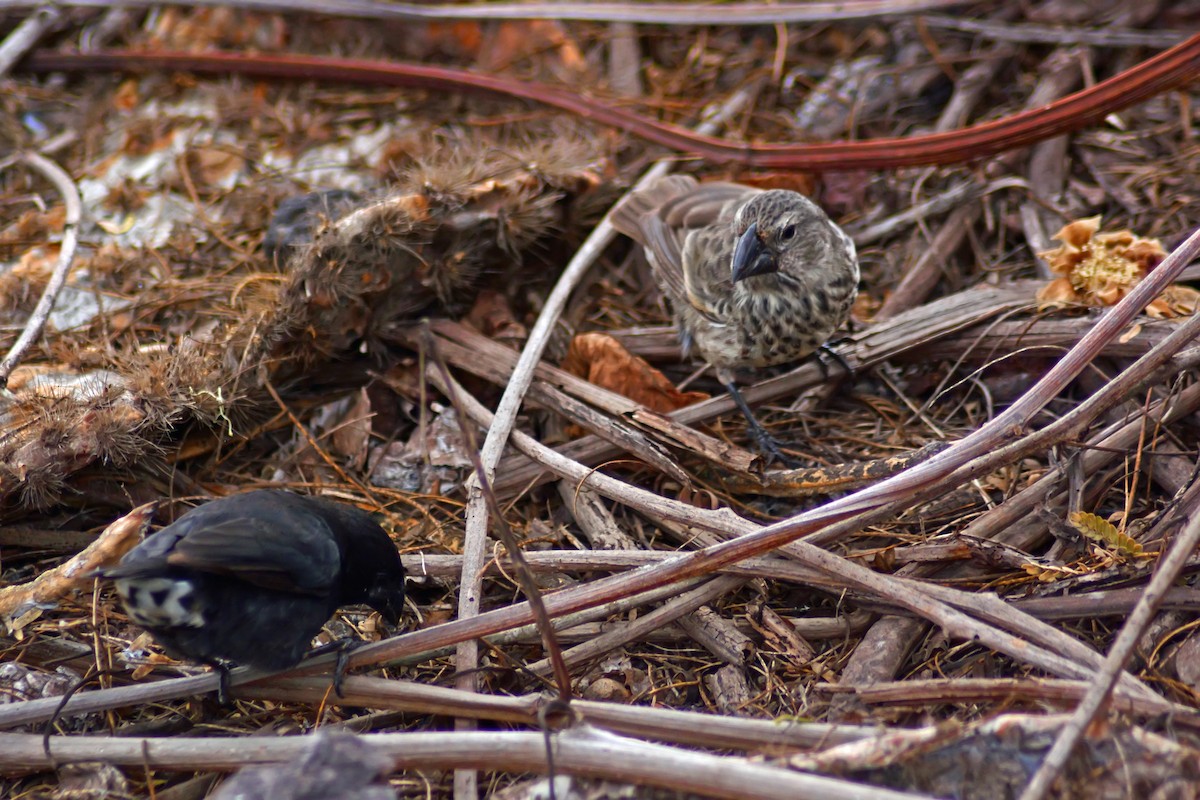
705,217
706,204
663,215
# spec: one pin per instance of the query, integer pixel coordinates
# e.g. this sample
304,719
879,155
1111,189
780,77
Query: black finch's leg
222,669
765,441
343,661
343,648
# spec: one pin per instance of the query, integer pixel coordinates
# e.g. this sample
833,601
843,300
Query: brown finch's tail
627,216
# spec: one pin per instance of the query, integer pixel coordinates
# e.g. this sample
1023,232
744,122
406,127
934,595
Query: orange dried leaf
1177,301
604,361
1101,268
126,96
1148,253
492,316
1132,333
1076,234
1059,293
516,40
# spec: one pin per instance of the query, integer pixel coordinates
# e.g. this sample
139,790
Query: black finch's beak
387,597
751,257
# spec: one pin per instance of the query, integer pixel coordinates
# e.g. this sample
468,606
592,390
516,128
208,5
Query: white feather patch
161,602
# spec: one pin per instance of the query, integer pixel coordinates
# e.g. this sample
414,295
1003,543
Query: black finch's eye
788,233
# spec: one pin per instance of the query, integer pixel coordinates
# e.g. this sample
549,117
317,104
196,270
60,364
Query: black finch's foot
343,647
339,669
222,683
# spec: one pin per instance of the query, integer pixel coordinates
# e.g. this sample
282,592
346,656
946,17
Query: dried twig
741,13
1030,33
26,35
58,278
652,722
76,573
580,751
668,612
525,577
1172,68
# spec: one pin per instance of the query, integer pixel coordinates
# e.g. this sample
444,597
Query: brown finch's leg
767,444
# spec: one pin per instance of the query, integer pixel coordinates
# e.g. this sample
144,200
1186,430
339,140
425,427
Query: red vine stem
1170,69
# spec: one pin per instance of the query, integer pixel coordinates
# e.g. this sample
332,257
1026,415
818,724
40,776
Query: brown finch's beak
751,256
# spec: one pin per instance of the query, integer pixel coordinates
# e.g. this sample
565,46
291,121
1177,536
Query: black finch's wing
661,218
267,539
287,560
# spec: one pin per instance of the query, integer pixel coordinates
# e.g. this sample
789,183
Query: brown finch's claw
767,444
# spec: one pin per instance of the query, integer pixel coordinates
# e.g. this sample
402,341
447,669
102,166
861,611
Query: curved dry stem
37,320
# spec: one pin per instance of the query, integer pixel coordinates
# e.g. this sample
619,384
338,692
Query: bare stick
37,320
652,13
562,675
666,613
26,35
582,751
694,728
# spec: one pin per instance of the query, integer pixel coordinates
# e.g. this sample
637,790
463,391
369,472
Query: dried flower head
1098,269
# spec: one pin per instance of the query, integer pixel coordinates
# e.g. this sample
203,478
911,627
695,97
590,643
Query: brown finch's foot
767,444
824,353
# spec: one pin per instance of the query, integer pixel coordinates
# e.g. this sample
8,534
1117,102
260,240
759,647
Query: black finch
251,579
755,277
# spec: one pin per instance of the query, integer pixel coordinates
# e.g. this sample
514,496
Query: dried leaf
117,228
1076,234
1131,334
1059,293
351,437
1177,301
492,316
516,40
1047,574
604,361
1098,529
463,38
1099,269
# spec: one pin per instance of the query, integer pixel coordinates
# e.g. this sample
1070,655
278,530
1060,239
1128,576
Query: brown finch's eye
788,233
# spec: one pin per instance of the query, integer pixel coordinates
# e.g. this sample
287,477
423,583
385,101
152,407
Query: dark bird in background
297,218
251,579
335,765
755,278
